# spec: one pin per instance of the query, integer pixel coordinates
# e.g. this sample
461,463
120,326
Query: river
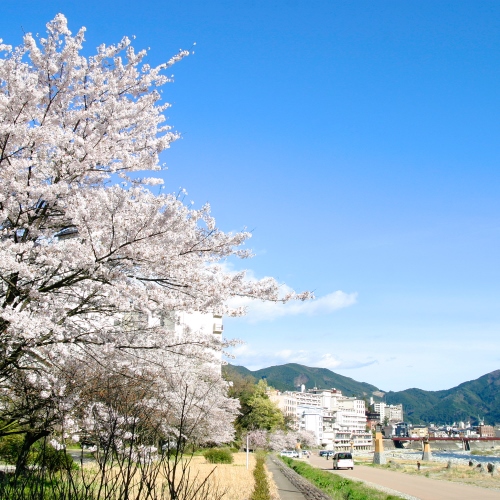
445,456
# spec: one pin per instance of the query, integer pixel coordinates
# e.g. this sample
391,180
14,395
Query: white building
338,422
393,413
182,324
310,418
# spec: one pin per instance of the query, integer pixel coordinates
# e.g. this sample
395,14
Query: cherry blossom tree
279,440
151,421
307,439
282,440
257,439
75,251
91,260
31,407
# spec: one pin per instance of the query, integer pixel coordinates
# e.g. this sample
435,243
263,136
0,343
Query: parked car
343,460
289,454
324,453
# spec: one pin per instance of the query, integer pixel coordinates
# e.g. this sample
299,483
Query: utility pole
247,451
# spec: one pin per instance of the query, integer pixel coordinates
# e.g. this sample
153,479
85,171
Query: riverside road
416,486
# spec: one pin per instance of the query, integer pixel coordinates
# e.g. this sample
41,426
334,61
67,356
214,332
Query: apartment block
338,421
393,413
486,431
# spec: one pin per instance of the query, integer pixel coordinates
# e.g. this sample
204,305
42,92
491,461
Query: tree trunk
30,438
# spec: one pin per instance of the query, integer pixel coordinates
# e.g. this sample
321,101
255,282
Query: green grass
492,453
338,487
218,456
261,489
33,487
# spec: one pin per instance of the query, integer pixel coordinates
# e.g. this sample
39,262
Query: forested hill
291,376
468,401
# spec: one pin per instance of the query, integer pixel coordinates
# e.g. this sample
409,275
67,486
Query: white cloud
329,361
265,311
289,356
258,310
240,350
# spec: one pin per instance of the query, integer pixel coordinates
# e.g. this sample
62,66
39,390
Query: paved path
286,489
420,487
78,457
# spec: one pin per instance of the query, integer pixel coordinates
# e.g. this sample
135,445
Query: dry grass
438,470
235,479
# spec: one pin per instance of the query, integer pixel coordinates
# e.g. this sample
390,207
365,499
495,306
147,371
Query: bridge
432,438
465,440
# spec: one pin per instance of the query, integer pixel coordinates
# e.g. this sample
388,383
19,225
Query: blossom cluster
80,255
280,440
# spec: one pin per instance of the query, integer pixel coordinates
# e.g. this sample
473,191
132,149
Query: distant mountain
291,376
471,400
229,369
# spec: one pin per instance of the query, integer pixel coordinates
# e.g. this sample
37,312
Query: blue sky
359,141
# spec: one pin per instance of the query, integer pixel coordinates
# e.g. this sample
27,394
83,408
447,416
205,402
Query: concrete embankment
389,444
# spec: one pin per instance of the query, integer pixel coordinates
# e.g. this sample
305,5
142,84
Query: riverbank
444,466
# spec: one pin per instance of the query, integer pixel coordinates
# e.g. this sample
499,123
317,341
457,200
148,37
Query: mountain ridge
291,376
471,400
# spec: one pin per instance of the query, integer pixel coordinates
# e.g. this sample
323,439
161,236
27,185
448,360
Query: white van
343,460
289,454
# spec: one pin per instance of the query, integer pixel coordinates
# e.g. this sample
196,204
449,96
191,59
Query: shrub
9,448
218,456
53,460
261,489
41,454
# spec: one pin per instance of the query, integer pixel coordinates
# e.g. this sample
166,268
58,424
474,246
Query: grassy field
439,470
237,482
234,479
228,481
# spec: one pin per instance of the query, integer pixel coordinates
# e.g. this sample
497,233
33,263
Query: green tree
258,411
9,448
240,387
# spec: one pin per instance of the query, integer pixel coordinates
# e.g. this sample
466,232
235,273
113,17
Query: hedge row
261,489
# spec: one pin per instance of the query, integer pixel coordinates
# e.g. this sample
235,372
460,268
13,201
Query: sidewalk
286,489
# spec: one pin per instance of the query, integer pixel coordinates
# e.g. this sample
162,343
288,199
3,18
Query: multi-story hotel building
338,421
